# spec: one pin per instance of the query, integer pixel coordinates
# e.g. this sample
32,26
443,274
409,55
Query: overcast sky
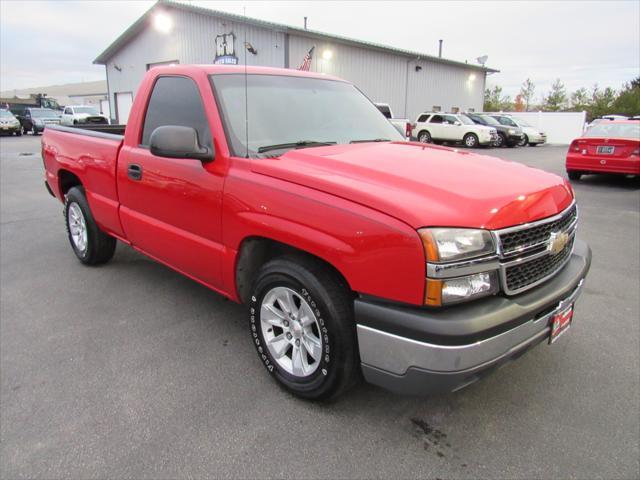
53,42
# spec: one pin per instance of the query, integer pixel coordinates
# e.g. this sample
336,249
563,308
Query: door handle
134,171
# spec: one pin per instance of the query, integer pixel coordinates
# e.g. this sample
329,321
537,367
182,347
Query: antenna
246,88
482,60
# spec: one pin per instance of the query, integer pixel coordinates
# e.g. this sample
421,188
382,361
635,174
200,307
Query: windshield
44,112
466,120
506,121
289,110
615,130
6,114
489,120
89,110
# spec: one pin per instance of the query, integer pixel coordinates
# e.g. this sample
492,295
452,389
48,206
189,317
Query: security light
327,55
472,77
162,22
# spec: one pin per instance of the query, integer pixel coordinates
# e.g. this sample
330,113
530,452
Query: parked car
9,123
507,136
452,127
419,266
403,125
608,147
532,136
36,119
75,114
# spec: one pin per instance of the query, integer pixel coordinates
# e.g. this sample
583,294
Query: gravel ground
130,370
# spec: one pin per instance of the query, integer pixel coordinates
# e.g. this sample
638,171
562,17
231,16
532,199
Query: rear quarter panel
93,160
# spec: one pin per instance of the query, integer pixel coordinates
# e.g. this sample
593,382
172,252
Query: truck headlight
460,289
453,244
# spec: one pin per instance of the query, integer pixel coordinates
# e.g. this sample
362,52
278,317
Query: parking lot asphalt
130,370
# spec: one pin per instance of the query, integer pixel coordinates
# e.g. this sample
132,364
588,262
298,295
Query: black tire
424,137
75,122
324,291
574,175
19,132
34,130
524,141
100,246
501,140
533,144
470,140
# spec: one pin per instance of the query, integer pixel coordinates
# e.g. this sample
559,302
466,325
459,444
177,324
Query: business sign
225,50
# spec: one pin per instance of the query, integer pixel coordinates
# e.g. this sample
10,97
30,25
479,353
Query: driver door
170,208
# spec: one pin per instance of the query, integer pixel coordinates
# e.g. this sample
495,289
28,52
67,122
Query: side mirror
174,141
457,123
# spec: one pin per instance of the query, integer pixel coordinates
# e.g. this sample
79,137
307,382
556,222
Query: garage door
124,100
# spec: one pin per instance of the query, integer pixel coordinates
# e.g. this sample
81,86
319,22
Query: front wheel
470,140
34,130
301,320
424,137
501,140
533,144
90,244
19,132
524,141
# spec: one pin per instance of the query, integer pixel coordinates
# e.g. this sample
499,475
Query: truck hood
424,185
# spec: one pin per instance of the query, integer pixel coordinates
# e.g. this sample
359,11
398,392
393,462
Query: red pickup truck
357,253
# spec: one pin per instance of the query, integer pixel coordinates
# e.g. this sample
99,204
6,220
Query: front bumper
418,351
9,128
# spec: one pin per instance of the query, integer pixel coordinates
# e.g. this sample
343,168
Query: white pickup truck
403,125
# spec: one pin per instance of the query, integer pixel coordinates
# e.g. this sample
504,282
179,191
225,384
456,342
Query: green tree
527,91
494,101
580,100
601,101
628,100
557,97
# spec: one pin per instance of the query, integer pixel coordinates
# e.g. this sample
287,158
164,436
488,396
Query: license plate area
560,323
605,149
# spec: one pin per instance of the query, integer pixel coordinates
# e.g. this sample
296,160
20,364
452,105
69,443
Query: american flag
306,63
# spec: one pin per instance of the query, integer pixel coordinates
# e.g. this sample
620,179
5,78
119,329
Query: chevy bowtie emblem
557,242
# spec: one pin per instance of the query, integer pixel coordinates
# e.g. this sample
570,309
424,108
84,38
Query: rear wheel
424,137
574,175
470,140
301,320
90,244
524,141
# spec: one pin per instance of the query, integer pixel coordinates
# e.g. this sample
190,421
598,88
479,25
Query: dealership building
176,33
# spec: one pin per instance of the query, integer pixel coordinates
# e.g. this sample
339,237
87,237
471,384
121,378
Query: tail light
574,146
408,129
636,152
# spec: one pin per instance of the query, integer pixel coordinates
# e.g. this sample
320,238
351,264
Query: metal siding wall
191,41
381,76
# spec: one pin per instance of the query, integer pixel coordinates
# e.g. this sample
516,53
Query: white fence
560,127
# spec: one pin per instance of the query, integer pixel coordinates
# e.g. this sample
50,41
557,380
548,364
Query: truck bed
92,155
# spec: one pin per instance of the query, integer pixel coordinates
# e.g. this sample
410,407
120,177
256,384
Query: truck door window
67,111
176,101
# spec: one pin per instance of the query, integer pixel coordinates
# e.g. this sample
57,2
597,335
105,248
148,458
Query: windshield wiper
298,144
371,140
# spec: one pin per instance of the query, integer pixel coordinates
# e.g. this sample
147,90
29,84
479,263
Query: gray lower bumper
410,366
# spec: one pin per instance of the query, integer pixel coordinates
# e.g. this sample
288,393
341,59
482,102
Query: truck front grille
519,277
525,238
526,257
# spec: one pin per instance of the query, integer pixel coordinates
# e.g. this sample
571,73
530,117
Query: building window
436,108
161,64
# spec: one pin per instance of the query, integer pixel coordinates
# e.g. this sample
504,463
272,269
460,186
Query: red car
420,267
607,147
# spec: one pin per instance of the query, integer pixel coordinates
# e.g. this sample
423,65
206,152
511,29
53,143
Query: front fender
376,254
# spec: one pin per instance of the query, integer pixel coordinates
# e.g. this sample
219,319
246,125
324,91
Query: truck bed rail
111,132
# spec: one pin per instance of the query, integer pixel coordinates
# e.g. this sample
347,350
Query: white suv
452,127
75,114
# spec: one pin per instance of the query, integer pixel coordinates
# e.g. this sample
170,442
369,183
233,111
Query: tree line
596,101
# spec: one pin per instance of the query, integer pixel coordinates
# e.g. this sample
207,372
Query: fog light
454,290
